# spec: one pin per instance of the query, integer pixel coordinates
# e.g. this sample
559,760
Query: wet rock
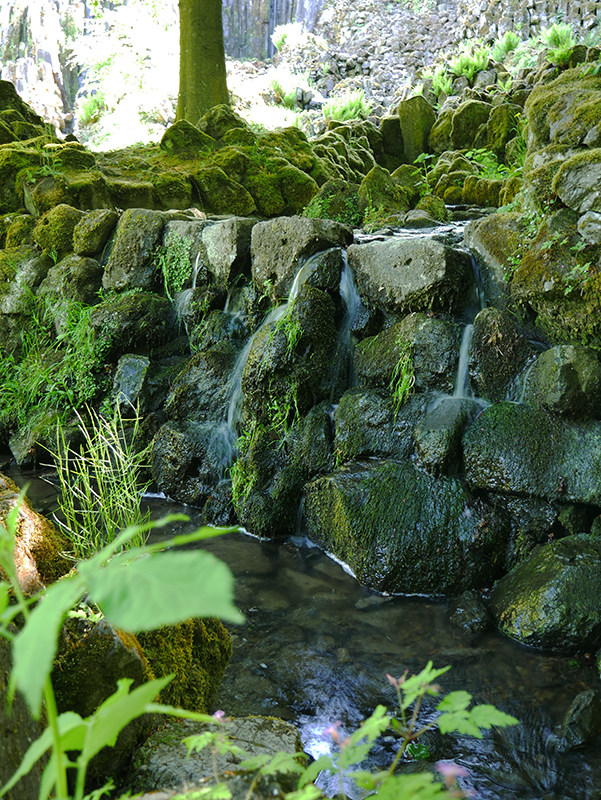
164,762
493,238
39,547
189,459
567,381
312,443
438,436
279,248
470,614
410,275
581,722
517,449
499,350
400,530
552,599
130,265
367,425
532,522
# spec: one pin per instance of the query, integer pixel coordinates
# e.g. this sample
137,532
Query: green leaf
116,712
418,751
418,685
459,721
4,596
308,792
353,754
455,701
277,764
486,716
163,589
35,646
422,786
310,774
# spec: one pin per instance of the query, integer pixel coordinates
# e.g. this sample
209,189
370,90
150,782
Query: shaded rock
498,352
22,270
165,762
581,722
567,381
400,530
493,239
379,192
392,137
74,278
438,436
18,730
552,599
532,521
39,547
410,275
466,120
227,249
130,264
522,450
470,614
133,322
366,425
189,459
279,248
221,194
589,227
577,181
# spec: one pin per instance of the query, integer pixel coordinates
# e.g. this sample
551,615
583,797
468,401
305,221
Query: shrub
441,80
472,57
505,45
350,105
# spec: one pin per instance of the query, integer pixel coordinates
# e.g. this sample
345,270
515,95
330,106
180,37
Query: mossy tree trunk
202,80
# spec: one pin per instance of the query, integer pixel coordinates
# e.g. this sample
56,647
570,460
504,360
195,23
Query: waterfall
462,378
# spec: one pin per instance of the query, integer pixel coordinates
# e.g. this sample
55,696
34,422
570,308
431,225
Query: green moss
379,191
234,161
20,231
337,200
185,140
266,192
434,207
197,652
297,188
171,190
222,194
55,229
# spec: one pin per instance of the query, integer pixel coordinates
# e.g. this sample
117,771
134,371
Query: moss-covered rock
73,278
400,530
92,232
521,450
297,188
337,200
467,119
171,190
434,207
497,239
218,120
438,436
379,192
15,162
578,179
55,229
392,137
221,194
416,118
567,381
552,599
439,139
131,263
184,139
20,231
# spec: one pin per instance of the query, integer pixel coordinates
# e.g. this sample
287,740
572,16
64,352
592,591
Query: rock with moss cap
401,530
467,119
578,179
552,600
73,278
221,194
337,200
92,232
378,191
218,120
10,100
55,229
184,139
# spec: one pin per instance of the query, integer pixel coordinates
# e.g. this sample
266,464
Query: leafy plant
505,45
138,589
489,164
173,260
471,57
560,40
441,80
403,376
100,485
350,105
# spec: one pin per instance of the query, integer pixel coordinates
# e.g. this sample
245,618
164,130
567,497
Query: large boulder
553,598
401,530
493,239
403,275
467,119
567,381
578,179
416,117
131,265
518,449
279,248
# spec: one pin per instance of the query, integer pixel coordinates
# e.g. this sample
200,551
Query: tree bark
202,78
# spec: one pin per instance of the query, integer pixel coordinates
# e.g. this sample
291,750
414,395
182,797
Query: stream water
316,647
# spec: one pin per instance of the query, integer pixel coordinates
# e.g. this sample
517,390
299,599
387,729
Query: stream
316,648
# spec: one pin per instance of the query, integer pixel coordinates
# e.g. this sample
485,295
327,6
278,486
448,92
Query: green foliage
92,108
53,372
559,39
505,45
348,212
138,589
403,376
350,105
100,485
284,97
441,80
488,163
173,260
472,56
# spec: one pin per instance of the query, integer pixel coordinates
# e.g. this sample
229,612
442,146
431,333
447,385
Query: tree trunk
202,81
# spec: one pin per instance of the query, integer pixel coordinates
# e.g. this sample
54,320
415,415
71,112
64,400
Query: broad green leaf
455,701
308,792
4,595
116,712
420,684
486,716
353,754
418,751
164,589
313,770
35,646
421,786
66,722
459,721
373,726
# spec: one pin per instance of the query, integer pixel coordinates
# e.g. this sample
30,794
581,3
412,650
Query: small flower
219,715
450,771
333,731
393,681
